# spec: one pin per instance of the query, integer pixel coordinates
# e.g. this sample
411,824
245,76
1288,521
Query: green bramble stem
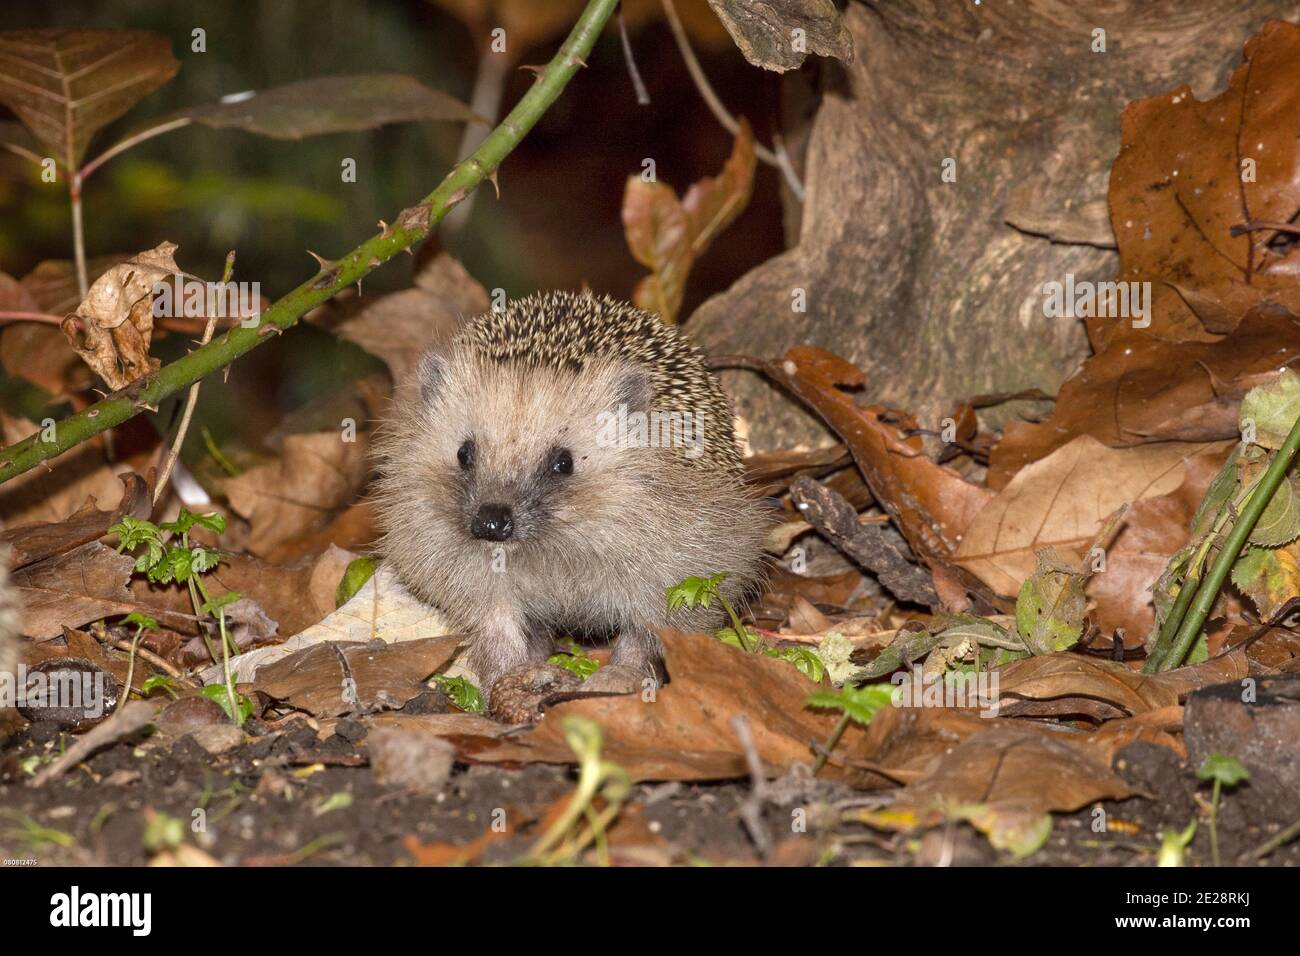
1241,529
412,225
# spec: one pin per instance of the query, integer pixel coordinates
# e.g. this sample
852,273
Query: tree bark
934,288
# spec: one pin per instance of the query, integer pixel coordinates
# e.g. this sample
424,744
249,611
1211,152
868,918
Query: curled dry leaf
667,235
113,326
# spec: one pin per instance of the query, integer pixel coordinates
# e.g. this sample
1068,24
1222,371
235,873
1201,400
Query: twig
164,665
777,158
135,140
31,317
751,810
1241,529
135,715
485,100
642,94
1273,843
869,545
193,398
1263,225
411,226
78,234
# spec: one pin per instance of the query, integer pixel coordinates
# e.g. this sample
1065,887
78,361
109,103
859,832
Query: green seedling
574,658
1174,844
702,592
164,561
142,623
461,693
855,703
1225,771
568,837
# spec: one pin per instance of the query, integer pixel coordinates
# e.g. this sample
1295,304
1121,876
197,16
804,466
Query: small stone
188,714
350,729
1262,730
218,738
410,758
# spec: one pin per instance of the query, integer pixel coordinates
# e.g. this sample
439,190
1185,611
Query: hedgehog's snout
493,523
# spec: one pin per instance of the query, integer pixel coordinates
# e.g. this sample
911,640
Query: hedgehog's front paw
616,679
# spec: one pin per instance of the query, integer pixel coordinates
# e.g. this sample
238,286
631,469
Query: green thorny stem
1207,590
412,225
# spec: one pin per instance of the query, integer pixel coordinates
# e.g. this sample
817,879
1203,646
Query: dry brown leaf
341,677
79,586
1062,501
112,327
667,235
685,732
318,474
764,31
930,504
401,326
1013,766
66,85
31,543
53,283
52,494
1150,389
1173,207
1072,683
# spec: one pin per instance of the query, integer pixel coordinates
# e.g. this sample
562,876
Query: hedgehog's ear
432,372
632,388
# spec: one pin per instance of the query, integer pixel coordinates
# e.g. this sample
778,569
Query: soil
276,800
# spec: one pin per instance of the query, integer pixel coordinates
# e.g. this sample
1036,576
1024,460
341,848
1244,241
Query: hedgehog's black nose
493,523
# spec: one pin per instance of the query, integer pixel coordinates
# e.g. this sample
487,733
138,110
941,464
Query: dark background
556,225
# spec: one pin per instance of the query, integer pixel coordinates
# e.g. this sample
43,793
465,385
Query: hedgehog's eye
466,455
561,462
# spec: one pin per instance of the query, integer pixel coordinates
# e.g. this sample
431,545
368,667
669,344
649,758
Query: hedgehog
553,471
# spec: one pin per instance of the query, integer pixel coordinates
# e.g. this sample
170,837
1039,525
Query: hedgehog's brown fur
593,551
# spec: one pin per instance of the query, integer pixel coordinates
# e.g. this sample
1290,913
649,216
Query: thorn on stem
325,264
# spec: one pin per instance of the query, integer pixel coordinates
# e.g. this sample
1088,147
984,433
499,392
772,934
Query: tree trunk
934,287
